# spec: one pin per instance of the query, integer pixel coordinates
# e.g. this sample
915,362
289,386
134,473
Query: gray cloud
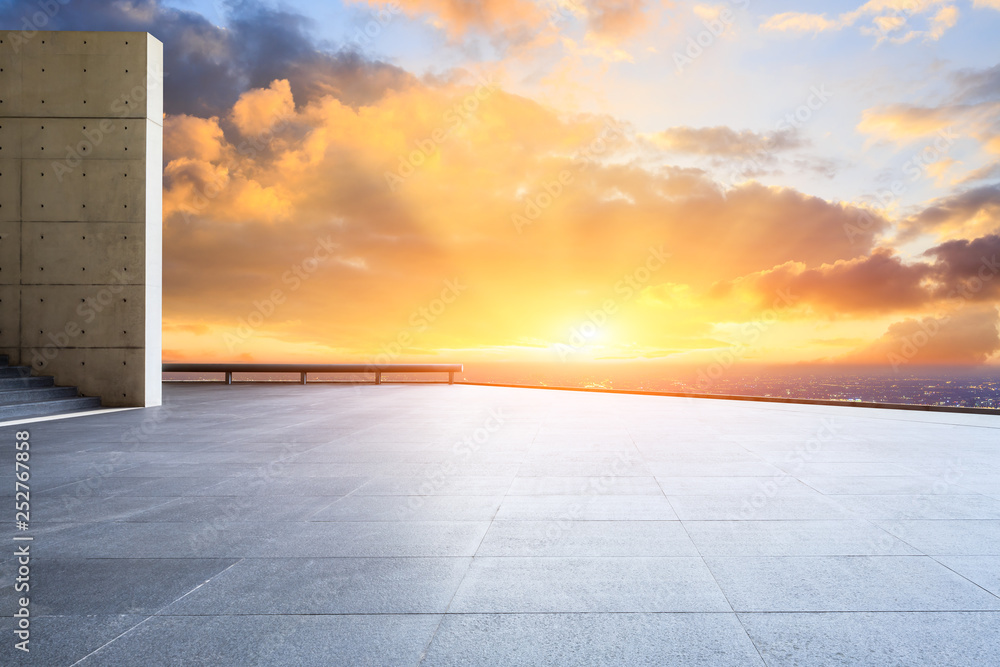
207,67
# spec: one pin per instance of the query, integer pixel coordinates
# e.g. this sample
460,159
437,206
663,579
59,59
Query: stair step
4,359
14,371
44,408
25,382
36,395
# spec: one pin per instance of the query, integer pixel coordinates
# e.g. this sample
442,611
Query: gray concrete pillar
81,136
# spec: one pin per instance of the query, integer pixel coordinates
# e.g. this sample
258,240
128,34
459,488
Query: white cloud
882,19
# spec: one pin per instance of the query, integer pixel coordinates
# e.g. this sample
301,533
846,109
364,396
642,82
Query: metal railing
304,369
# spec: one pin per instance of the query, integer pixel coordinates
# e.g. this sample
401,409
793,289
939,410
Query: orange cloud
192,137
973,212
877,283
459,16
963,271
902,122
968,336
607,21
340,233
616,19
257,111
724,141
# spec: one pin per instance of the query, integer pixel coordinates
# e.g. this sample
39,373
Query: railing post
229,377
451,377
304,374
378,377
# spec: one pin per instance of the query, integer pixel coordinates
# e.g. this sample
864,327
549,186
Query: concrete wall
81,134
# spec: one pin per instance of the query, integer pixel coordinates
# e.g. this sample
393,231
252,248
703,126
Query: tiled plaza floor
465,525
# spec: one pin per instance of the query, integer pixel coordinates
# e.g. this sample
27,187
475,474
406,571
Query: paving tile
794,538
154,540
250,539
374,539
509,585
683,640
568,486
586,538
62,640
940,506
966,538
64,509
848,469
279,641
758,507
456,466
441,483
713,469
555,466
865,485
86,487
981,570
952,639
409,508
110,587
728,486
260,508
264,485
586,508
328,586
343,509
846,583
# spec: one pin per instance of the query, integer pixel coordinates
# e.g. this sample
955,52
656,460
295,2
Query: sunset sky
568,180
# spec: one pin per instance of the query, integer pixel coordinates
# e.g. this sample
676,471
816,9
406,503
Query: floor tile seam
959,574
106,476
936,612
527,556
339,498
151,616
804,408
451,599
701,557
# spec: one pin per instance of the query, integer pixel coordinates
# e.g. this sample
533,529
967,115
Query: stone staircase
23,396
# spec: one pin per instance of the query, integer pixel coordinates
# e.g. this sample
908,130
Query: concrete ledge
757,399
